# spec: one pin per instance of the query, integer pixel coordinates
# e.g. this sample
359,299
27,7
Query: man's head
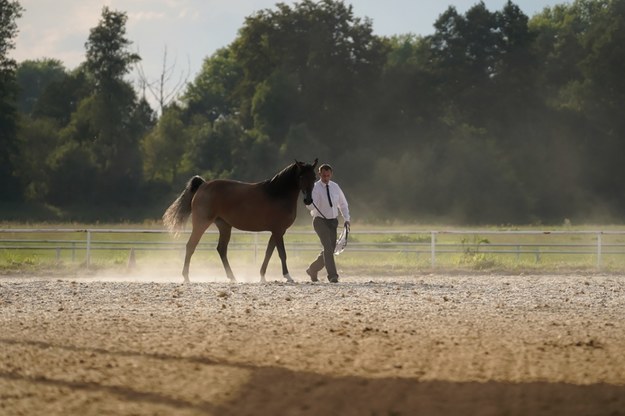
325,173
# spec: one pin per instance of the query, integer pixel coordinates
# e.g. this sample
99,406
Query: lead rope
319,211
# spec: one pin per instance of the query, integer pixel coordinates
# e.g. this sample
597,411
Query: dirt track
431,345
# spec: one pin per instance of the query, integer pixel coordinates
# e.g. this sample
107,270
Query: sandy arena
404,345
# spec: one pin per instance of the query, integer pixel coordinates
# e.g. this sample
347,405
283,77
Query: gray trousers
326,230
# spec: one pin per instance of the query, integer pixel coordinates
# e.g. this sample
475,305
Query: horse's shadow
272,390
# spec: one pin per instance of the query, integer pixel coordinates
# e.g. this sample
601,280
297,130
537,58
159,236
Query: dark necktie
328,190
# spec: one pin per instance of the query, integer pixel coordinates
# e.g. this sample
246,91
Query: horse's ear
315,162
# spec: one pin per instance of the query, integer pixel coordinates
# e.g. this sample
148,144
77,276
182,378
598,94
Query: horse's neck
283,184
281,192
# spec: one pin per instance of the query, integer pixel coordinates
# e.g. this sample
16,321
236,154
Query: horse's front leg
263,269
225,231
282,253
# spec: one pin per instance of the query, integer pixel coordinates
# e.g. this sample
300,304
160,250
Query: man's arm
344,206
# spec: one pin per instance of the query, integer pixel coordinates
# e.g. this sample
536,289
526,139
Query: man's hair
325,166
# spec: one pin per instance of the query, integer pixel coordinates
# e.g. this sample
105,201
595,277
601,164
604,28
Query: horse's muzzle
307,200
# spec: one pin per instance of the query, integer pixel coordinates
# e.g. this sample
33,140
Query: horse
270,205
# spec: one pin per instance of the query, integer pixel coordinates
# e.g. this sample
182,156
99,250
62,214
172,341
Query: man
328,202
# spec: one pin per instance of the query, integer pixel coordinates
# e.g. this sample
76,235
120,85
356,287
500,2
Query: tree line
495,118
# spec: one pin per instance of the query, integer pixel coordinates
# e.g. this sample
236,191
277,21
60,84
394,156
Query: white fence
432,243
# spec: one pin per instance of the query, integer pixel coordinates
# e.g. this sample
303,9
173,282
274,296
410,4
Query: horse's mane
283,182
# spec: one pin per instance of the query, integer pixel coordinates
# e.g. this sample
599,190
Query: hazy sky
193,29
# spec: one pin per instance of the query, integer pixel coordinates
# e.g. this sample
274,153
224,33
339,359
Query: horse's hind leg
199,226
271,245
225,231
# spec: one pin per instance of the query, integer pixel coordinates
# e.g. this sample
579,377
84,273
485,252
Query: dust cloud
172,274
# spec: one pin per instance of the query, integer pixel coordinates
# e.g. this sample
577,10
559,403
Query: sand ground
404,345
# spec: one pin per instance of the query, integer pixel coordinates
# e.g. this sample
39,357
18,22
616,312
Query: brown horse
270,205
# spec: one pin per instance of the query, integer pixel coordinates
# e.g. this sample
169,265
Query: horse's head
307,178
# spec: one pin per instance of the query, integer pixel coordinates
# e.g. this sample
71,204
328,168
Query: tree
558,35
72,177
408,101
60,99
10,11
38,140
312,63
213,91
465,53
33,77
108,124
163,147
108,58
601,94
112,109
161,90
582,55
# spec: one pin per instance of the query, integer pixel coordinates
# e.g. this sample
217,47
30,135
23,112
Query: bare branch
161,89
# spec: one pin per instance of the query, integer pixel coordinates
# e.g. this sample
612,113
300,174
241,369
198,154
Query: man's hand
347,225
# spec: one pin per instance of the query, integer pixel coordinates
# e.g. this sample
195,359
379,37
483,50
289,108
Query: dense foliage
494,118
10,11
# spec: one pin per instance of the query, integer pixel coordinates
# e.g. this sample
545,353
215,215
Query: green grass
407,249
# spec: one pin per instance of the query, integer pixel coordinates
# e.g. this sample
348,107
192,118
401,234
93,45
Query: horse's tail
178,212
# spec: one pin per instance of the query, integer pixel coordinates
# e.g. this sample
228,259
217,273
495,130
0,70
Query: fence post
88,260
132,262
433,248
537,254
599,249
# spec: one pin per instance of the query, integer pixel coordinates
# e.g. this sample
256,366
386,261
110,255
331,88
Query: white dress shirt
320,200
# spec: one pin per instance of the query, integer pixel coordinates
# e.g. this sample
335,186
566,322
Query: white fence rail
420,242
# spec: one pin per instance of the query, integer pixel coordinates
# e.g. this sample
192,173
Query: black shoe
313,276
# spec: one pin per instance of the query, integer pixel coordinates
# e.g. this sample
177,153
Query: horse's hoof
288,278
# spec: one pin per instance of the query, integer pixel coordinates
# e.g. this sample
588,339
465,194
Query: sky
191,30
